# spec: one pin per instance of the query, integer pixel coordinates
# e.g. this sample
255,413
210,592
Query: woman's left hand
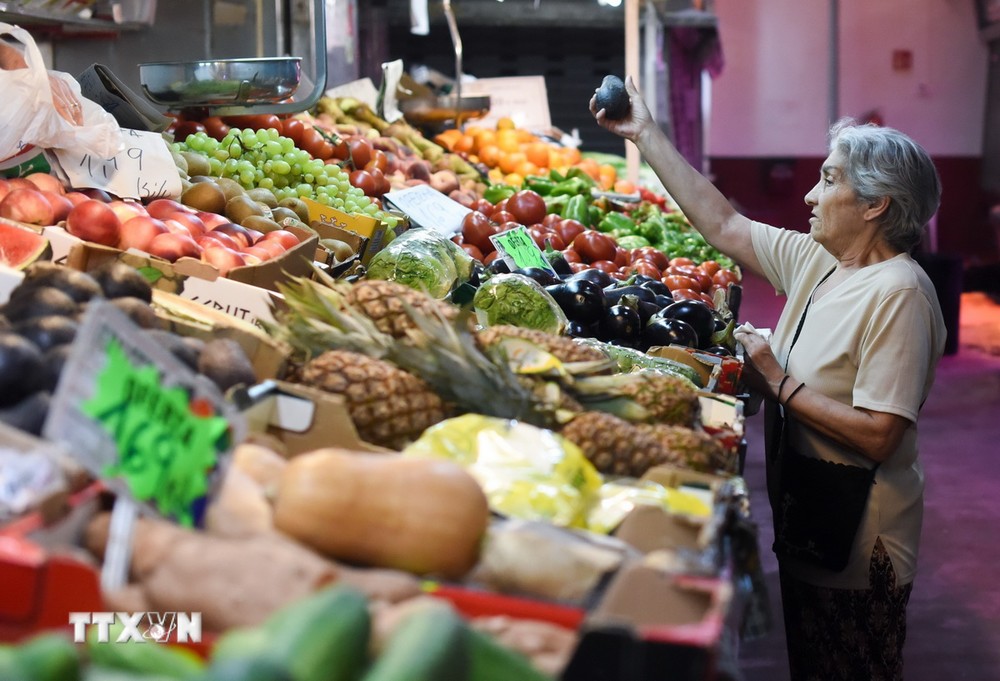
762,371
66,103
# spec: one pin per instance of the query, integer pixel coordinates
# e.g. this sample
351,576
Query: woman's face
837,213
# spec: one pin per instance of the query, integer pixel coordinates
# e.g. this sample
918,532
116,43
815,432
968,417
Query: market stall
324,393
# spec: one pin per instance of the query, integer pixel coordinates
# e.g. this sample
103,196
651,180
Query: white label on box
236,299
523,99
10,279
427,207
363,90
61,242
144,169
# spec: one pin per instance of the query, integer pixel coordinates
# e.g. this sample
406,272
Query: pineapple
642,397
618,447
389,407
561,347
697,449
385,303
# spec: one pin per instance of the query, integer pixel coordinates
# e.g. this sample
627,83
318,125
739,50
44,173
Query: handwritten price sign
144,169
519,250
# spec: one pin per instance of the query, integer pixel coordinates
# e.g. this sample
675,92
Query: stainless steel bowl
221,82
438,110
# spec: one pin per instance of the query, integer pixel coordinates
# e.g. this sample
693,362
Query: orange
607,175
591,167
624,187
513,179
507,140
526,168
506,123
571,155
485,137
538,153
510,161
463,143
490,155
447,138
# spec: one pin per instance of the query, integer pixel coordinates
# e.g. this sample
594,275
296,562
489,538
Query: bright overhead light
610,3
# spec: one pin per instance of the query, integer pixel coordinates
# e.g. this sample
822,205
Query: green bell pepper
616,221
496,193
577,209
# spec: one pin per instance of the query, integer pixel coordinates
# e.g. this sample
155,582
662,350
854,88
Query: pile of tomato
584,248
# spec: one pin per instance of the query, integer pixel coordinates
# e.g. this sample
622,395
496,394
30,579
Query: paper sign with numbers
144,169
519,250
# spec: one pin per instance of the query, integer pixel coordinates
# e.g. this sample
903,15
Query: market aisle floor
954,613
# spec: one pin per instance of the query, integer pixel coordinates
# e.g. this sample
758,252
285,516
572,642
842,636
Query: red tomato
491,257
569,229
551,219
571,256
292,128
653,255
315,144
679,282
686,294
340,150
254,121
500,216
185,128
378,160
685,262
483,206
606,265
476,231
725,277
704,281
578,266
709,267
622,256
645,268
592,245
361,151
538,235
500,205
555,240
527,206
473,251
215,127
365,181
509,225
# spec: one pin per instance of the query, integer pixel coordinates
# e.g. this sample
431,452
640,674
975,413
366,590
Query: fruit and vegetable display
496,426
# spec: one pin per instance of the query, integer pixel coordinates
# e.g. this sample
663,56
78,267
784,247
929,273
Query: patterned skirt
843,634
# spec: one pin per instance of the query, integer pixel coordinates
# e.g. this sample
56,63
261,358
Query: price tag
139,419
523,99
144,169
427,207
519,250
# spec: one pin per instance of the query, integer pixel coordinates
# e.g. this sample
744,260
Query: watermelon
19,247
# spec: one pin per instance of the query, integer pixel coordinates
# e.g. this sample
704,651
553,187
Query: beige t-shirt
873,341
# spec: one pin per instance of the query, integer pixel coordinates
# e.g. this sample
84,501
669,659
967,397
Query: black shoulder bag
819,504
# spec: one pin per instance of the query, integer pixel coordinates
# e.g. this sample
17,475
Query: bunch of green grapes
263,158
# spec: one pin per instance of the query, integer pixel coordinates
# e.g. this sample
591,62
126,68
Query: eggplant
669,331
719,350
599,277
662,301
576,329
656,286
582,300
498,266
646,310
643,279
616,293
696,313
621,323
540,274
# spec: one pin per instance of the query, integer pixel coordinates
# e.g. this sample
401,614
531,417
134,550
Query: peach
27,205
162,208
93,220
172,247
140,231
47,182
222,258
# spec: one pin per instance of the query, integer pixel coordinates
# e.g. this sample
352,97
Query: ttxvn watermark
159,627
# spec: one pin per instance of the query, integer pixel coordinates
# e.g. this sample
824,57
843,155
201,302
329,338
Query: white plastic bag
29,116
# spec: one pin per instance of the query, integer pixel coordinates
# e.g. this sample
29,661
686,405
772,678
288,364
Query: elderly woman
850,363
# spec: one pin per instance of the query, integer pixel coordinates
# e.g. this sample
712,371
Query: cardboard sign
137,418
363,90
519,250
248,303
144,169
429,208
523,99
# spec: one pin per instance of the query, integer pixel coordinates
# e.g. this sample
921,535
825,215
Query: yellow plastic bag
526,472
616,499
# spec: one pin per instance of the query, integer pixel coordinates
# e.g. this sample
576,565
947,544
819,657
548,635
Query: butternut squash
424,516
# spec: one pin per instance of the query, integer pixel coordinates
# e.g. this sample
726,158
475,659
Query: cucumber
323,637
493,661
253,668
144,657
47,657
431,644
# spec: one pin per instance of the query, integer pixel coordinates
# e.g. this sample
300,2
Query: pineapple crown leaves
445,354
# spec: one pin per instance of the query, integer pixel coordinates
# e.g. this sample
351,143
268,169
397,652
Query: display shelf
65,22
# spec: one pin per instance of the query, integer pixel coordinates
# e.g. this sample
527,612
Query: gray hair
883,162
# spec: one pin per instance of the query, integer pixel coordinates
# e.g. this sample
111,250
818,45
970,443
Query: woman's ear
877,207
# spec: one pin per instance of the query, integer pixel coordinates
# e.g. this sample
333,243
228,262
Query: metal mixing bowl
221,82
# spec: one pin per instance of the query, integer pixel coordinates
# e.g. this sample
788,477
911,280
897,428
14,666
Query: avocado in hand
613,98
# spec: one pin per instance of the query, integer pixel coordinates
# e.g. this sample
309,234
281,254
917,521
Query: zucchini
46,657
144,657
323,637
431,644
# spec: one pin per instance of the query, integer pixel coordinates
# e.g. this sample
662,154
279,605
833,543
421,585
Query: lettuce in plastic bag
518,300
423,260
